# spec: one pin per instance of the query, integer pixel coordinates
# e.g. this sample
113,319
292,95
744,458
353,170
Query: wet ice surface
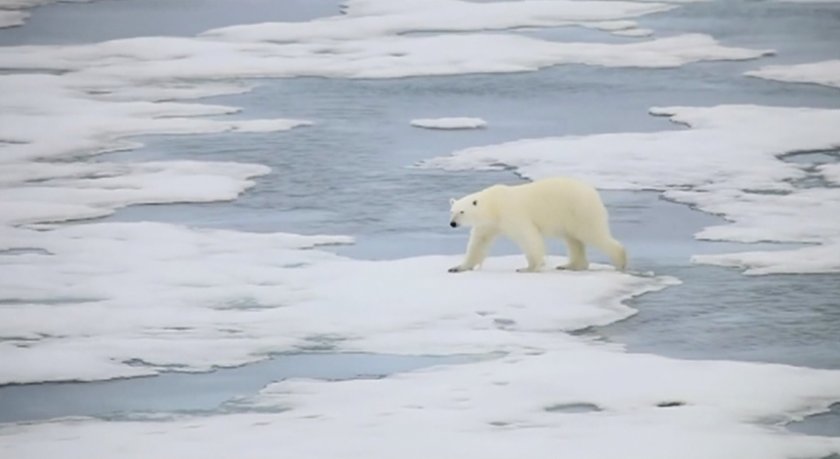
195,393
361,143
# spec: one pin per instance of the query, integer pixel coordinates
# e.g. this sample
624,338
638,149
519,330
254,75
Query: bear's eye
462,212
475,203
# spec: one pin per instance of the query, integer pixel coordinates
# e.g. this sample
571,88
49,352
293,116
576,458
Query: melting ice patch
826,73
727,163
449,123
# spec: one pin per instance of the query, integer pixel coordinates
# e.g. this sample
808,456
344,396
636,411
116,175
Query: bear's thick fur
562,208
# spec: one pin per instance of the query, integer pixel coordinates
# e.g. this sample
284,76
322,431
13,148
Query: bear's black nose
453,224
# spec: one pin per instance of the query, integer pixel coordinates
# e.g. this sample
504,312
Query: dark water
351,174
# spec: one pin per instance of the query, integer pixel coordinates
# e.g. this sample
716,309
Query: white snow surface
449,123
826,73
727,163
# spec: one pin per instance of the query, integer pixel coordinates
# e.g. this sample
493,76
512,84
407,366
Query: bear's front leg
480,240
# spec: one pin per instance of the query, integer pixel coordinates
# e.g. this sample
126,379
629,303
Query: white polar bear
558,207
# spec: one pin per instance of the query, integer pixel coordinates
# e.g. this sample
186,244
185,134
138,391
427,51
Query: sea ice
366,18
449,123
650,408
121,293
12,18
826,73
831,172
106,300
10,14
162,59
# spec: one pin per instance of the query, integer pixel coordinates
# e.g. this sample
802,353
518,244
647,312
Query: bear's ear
475,203
451,201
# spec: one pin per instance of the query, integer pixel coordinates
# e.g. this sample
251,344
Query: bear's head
464,211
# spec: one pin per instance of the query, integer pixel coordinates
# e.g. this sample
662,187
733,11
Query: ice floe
12,12
826,73
366,18
831,172
115,295
12,18
727,163
810,260
95,190
647,407
449,123
169,58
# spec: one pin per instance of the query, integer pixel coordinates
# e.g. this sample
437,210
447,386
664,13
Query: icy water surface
65,23
351,173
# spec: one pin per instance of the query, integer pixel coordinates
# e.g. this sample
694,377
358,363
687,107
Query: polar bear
563,208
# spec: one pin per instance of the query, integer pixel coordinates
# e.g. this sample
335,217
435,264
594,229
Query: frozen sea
360,170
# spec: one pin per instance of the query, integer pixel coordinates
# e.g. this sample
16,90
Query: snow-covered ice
634,32
831,172
727,163
12,12
646,407
826,73
170,58
229,297
449,123
12,18
84,191
84,120
367,18
810,260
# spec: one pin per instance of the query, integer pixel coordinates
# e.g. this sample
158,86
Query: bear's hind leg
577,255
